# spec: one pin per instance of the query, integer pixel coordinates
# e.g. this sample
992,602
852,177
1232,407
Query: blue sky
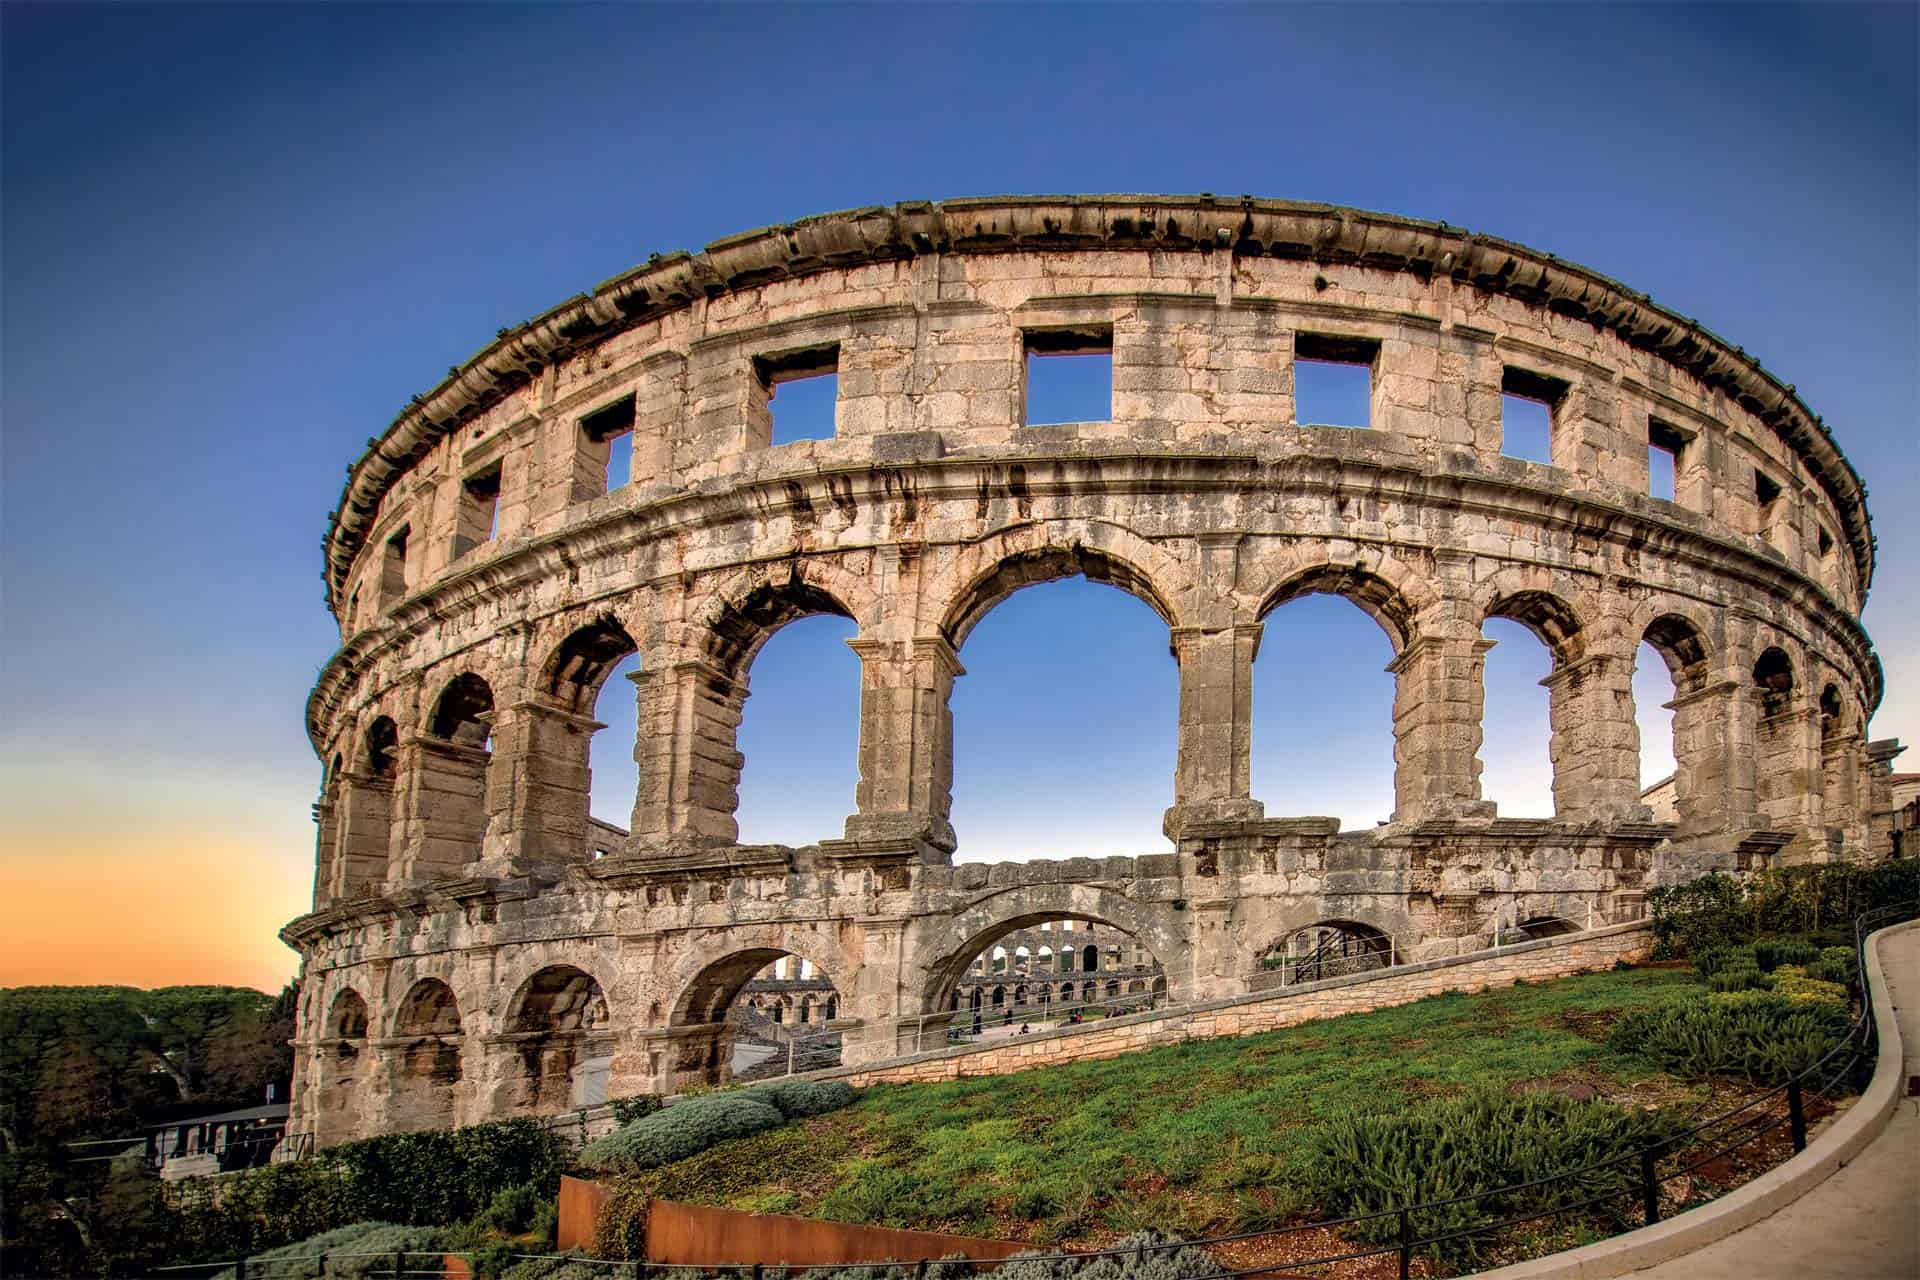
238,238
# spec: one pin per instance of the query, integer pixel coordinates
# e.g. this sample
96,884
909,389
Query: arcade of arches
481,945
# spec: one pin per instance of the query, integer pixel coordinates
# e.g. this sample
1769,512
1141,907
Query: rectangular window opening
803,392
1333,380
606,446
1665,442
1068,374
479,519
1826,540
1528,403
393,567
1765,489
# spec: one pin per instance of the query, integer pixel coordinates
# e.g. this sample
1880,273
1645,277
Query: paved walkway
1863,1223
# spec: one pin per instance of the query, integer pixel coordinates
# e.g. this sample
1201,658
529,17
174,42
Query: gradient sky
237,239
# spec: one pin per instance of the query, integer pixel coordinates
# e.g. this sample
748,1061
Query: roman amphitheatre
480,947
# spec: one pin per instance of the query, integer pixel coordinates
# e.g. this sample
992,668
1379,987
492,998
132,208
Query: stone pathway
1863,1223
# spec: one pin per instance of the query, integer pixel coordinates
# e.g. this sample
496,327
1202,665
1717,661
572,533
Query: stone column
1212,776
1596,742
1438,696
539,786
689,761
442,794
1713,750
1880,809
906,741
363,835
1789,775
1841,753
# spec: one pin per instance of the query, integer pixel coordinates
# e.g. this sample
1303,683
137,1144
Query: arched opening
1084,673
586,676
1531,634
1322,737
461,747
1535,927
799,730
1779,774
998,1007
1328,949
560,1025
744,1044
359,814
1675,740
342,1069
426,1064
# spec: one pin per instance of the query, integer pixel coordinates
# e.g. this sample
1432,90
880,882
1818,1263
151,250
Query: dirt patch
1277,1256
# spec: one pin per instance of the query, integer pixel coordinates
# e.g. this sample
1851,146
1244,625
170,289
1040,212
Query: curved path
1863,1223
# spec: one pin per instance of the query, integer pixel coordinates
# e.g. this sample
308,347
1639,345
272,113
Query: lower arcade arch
1329,949
755,1014
1011,976
560,1030
425,1052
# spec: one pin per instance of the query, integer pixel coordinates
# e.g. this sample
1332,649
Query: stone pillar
689,761
1789,775
1880,808
442,793
1841,755
1212,776
906,741
1596,742
363,835
1438,695
1713,750
539,786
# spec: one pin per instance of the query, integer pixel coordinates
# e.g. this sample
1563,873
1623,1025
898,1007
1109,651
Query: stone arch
462,711
379,745
1549,617
341,1069
1372,593
427,1042
1329,947
578,666
945,955
347,1019
559,1025
1682,643
743,615
995,567
1548,927
1773,675
705,995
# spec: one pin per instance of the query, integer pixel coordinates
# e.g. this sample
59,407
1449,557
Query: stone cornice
1013,224
662,513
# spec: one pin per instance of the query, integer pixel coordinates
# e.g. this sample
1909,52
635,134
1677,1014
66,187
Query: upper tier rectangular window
803,392
605,461
1529,411
1333,380
393,567
1666,444
479,516
1067,374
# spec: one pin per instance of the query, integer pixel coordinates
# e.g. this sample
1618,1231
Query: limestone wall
1249,1015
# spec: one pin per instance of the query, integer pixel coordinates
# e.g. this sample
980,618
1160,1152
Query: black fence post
1649,1185
1796,1115
323,1267
1406,1243
759,1271
240,1269
399,1264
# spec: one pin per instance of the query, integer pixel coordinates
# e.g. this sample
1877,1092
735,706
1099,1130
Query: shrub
1796,983
627,1110
1771,953
1144,1255
352,1252
797,1099
511,1210
572,1265
682,1130
1747,979
1760,1036
1466,1146
1719,910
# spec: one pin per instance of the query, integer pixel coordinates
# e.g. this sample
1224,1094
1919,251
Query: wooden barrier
706,1236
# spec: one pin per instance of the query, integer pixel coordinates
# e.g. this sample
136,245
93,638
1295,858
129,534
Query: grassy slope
1178,1137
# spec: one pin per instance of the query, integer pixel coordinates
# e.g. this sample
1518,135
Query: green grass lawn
1187,1138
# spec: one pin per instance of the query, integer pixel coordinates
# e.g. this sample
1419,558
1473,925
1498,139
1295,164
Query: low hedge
1763,1037
684,1129
353,1252
797,1099
1487,1139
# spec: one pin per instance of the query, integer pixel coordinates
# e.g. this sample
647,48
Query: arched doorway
728,1039
425,1055
1328,949
559,1025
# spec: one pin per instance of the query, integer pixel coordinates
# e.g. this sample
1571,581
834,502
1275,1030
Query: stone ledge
1766,1195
